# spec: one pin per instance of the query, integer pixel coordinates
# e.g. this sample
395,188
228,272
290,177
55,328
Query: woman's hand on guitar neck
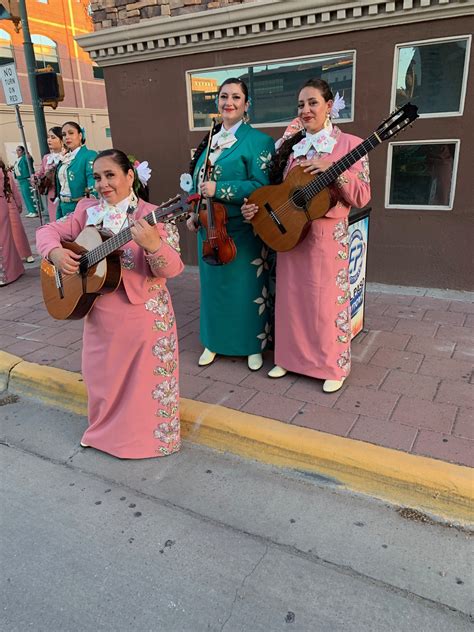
145,236
65,260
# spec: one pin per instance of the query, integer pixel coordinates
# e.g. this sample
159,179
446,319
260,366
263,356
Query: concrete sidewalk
410,388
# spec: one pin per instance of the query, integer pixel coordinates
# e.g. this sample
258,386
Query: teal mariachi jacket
234,307
22,167
240,169
80,179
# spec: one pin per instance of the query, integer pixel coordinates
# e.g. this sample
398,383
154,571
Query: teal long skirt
234,309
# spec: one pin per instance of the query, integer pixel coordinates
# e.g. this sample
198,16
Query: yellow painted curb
7,362
437,487
433,486
55,387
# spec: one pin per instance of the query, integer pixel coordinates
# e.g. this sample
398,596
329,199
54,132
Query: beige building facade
54,24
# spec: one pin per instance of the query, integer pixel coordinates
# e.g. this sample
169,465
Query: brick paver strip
431,416
464,424
408,380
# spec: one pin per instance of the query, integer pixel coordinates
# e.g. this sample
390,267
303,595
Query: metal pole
39,206
31,68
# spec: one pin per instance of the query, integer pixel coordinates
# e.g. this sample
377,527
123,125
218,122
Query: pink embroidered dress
312,311
15,207
49,162
130,345
11,266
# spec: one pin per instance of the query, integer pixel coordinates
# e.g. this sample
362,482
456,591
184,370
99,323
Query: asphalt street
204,541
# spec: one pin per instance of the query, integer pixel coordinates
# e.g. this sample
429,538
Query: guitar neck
123,237
327,177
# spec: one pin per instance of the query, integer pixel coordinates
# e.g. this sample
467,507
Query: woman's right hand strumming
192,223
248,210
65,260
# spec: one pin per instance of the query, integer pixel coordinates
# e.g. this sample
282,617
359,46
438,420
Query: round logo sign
356,255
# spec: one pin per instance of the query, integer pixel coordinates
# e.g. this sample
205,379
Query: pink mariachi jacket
352,188
138,269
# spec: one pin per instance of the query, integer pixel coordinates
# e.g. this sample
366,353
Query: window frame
58,62
188,74
462,98
454,178
12,50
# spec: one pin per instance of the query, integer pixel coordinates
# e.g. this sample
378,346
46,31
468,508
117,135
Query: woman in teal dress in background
74,178
22,175
234,314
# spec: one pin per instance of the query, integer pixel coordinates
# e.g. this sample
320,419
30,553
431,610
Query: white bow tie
322,142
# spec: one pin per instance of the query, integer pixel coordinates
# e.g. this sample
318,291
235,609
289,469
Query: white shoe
277,371
331,386
31,215
206,357
255,361
29,259
84,445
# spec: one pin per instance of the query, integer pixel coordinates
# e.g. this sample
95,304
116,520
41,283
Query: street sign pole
31,68
33,184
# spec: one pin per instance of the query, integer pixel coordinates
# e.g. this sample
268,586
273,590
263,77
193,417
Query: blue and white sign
358,238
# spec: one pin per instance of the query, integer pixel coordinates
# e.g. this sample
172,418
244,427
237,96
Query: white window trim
462,98
189,72
423,207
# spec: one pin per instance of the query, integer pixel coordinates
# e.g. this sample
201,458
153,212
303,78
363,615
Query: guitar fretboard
112,244
329,176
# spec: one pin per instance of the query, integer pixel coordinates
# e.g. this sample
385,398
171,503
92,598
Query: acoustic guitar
71,297
285,211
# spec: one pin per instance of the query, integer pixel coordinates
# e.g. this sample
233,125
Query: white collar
322,142
112,216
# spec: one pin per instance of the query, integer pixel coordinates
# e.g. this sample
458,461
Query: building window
46,52
422,175
108,133
6,50
432,75
98,71
273,87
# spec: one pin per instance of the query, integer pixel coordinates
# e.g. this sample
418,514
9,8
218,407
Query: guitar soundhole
298,199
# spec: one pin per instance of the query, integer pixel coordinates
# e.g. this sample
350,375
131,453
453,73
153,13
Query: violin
219,248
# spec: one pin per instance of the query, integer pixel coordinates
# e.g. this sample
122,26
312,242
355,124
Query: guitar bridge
274,217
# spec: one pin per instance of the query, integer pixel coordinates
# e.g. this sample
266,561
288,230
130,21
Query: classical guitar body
284,215
79,291
286,210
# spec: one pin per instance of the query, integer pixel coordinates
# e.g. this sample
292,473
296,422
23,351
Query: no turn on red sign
11,85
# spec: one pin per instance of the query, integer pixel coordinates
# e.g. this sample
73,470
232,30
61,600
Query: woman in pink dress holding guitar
130,348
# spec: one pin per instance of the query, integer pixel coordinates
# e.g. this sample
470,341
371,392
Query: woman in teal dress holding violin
74,179
234,311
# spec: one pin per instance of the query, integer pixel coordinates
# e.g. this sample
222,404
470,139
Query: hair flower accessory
143,171
186,182
338,105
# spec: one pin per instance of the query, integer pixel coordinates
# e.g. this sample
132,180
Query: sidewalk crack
242,585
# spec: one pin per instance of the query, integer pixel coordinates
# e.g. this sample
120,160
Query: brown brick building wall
108,13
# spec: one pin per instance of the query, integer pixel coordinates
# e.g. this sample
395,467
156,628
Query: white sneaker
331,386
277,371
30,259
255,361
207,357
31,215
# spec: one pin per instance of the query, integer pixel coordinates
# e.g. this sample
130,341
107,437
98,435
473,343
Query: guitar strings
288,206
